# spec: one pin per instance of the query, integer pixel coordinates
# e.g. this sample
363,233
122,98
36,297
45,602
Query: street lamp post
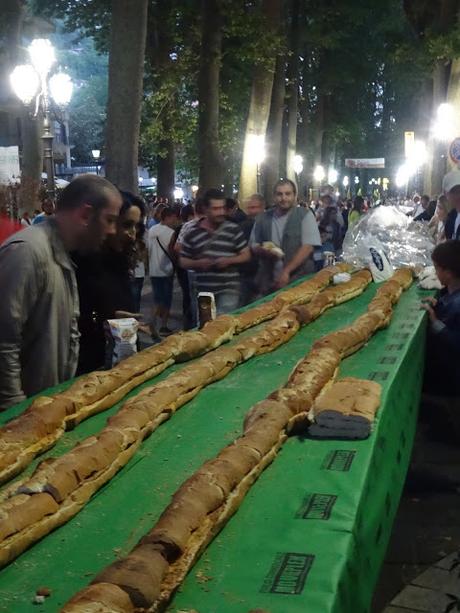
31,83
96,154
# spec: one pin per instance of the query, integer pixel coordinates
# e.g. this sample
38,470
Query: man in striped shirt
213,249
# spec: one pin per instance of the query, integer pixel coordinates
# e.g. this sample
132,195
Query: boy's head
446,260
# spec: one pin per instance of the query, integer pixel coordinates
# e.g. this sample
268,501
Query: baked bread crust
47,418
74,477
204,503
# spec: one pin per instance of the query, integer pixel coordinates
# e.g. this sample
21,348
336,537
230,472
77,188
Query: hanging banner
9,163
365,162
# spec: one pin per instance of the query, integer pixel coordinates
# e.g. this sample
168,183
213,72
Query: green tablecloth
312,532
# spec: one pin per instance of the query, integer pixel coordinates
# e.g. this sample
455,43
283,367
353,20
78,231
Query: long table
311,534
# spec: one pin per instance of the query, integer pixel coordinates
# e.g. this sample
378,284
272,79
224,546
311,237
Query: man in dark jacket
39,306
292,229
451,187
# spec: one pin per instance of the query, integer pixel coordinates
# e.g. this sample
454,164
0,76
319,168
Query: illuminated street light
319,174
332,176
356,180
403,175
30,83
443,128
61,88
297,164
96,154
346,181
256,147
25,82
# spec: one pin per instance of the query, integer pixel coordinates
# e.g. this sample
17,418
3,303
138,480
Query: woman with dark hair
105,283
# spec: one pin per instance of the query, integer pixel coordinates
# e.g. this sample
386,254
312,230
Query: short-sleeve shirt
227,241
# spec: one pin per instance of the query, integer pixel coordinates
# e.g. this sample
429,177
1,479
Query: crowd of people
85,260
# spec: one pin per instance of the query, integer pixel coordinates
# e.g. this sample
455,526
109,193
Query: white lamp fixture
42,56
332,176
96,153
61,88
443,127
346,181
403,175
319,173
297,164
25,82
356,180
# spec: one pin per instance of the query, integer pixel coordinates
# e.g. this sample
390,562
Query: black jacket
104,287
450,225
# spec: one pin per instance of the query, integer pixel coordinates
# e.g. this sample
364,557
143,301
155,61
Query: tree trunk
32,162
211,164
166,171
271,168
319,130
32,150
293,90
126,71
436,167
158,50
259,109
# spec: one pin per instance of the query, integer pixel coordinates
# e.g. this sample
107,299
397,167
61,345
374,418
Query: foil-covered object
389,229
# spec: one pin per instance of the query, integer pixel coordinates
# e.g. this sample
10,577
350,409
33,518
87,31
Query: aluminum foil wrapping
388,228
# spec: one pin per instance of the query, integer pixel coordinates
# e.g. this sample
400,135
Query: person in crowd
187,214
417,207
255,206
333,229
214,248
451,187
427,209
356,211
39,307
327,201
25,219
233,211
105,283
141,264
442,372
326,245
293,230
438,221
161,265
47,211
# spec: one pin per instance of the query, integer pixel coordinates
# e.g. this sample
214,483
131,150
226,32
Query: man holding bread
39,337
284,237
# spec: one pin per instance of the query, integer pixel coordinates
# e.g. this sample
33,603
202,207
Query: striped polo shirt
226,241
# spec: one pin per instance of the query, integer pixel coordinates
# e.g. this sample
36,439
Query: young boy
442,371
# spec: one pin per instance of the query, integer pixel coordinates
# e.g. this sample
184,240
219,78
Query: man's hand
283,279
428,307
222,263
430,301
123,314
261,252
204,263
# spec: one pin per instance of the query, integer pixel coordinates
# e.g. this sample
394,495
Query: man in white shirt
161,266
